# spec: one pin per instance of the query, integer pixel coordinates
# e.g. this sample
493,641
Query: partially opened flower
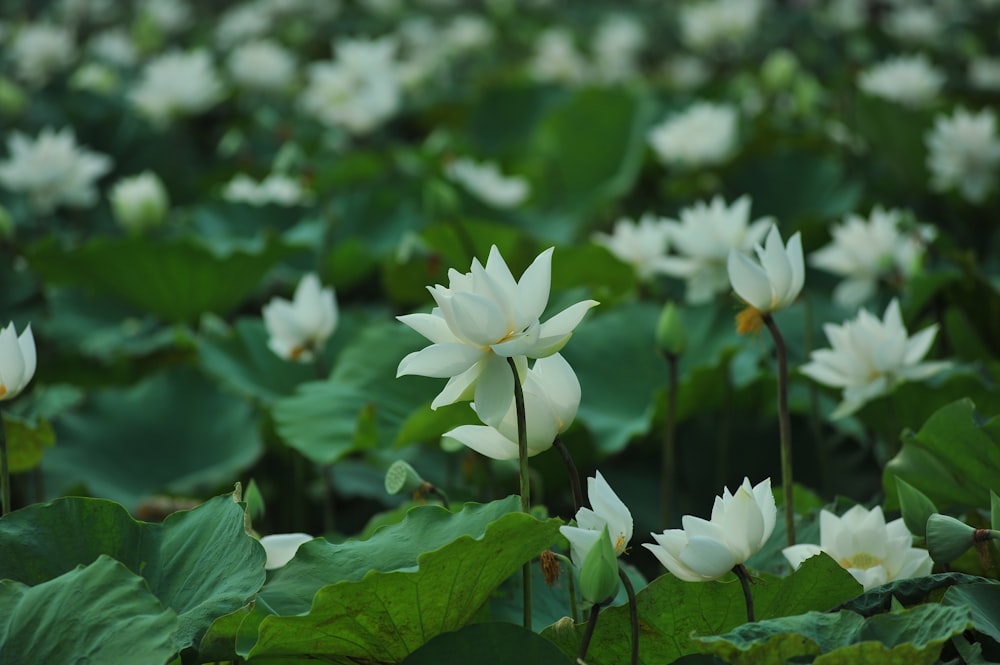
607,511
551,398
870,357
482,318
706,550
17,361
300,327
871,550
642,244
139,202
281,548
773,283
177,84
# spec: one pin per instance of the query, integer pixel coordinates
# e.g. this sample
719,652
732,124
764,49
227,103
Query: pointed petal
533,289
459,388
561,385
477,319
431,326
27,343
708,557
484,440
612,509
796,554
580,542
749,281
440,360
494,390
556,331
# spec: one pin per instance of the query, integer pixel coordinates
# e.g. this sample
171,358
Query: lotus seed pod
401,477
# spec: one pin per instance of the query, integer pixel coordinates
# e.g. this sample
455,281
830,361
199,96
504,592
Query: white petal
708,557
440,360
796,554
556,331
27,343
561,385
494,390
797,266
11,363
484,440
477,319
581,540
776,264
459,388
749,281
612,509
918,345
431,326
281,548
533,289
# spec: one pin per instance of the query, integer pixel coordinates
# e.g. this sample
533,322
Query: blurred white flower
484,317
276,188
706,550
908,80
17,360
484,181
139,202
76,12
557,58
711,26
703,239
702,135
686,72
177,84
915,24
617,46
964,153
40,50
642,245
262,65
240,23
872,551
52,170
170,16
551,399
115,47
770,285
871,357
467,32
281,548
359,90
95,77
608,511
845,15
299,328
984,73
864,251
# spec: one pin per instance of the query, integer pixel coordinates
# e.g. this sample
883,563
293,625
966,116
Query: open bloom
40,50
964,153
703,238
299,328
711,26
262,65
608,511
642,244
908,80
485,181
702,135
17,360
772,284
870,357
869,549
177,84
482,318
866,250
706,550
551,398
281,548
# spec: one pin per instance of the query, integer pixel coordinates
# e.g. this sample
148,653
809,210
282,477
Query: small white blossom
710,26
299,328
964,153
40,50
177,84
984,73
908,80
281,548
242,23
642,245
871,357
262,65
607,511
139,202
485,181
770,285
170,16
276,188
114,47
17,361
617,46
871,550
557,58
915,25
702,135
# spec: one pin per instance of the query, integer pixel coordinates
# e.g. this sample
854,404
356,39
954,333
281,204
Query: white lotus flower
281,548
262,65
866,250
17,360
702,135
485,181
177,84
869,549
114,46
139,202
482,318
642,245
618,43
964,153
551,398
40,50
556,58
772,284
711,26
908,80
53,170
298,329
915,25
607,511
706,550
703,239
276,188
984,73
870,357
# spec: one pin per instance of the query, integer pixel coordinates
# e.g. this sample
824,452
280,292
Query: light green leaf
983,600
26,443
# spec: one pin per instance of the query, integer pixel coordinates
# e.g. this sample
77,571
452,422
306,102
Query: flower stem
784,427
741,572
574,475
591,625
522,459
667,470
633,614
4,471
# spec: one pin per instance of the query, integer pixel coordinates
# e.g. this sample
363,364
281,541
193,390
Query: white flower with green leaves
871,357
643,244
704,134
872,551
482,318
963,153
485,181
771,283
17,361
706,550
911,81
299,328
607,510
281,548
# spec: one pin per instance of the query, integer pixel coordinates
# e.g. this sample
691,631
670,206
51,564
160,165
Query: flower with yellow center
608,511
872,551
769,284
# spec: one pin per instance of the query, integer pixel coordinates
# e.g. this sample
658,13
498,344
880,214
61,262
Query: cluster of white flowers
703,135
964,153
177,84
915,24
485,181
908,80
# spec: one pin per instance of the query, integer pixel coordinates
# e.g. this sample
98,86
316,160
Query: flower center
861,561
3,390
750,320
620,544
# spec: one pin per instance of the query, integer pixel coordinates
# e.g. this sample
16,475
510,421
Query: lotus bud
139,202
401,477
599,573
915,506
948,538
670,334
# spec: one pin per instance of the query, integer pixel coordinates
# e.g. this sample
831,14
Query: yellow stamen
861,561
750,320
620,544
297,351
3,390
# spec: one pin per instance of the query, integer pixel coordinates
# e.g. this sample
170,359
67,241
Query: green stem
725,428
633,614
574,475
784,427
589,633
522,458
4,471
741,572
667,469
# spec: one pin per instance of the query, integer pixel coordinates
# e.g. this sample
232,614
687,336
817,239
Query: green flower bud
948,538
916,507
670,334
401,477
599,574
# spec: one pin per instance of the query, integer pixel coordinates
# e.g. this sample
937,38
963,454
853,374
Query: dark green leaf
488,644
